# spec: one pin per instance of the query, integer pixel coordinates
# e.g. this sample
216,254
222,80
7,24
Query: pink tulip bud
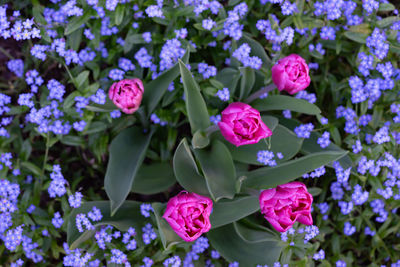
284,205
188,215
291,74
242,125
127,94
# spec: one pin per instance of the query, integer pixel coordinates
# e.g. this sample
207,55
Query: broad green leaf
361,28
74,39
269,177
184,11
200,140
73,140
282,102
26,150
167,234
386,22
229,77
70,100
186,171
314,191
228,211
256,49
219,170
153,178
37,12
131,39
300,6
127,216
376,117
32,167
195,105
217,84
286,142
81,79
127,152
386,7
252,234
310,145
312,22
270,121
282,140
107,107
77,22
119,14
154,90
233,2
95,127
233,248
356,36
247,81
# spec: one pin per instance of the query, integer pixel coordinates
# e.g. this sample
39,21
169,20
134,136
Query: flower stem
46,153
6,53
260,92
142,117
211,129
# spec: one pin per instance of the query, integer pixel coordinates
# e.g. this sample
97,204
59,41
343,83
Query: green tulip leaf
76,22
256,49
200,140
128,215
186,171
218,169
282,102
248,78
127,152
252,234
228,211
282,140
195,105
153,178
168,237
310,145
269,177
154,90
229,77
232,247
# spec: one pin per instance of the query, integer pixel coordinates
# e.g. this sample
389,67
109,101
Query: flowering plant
110,108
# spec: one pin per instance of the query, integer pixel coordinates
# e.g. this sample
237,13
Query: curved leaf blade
186,171
229,77
248,78
269,177
127,152
199,118
153,178
167,235
286,142
356,36
77,22
154,90
228,211
127,216
257,49
233,248
310,145
282,102
218,169
200,140
282,140
252,235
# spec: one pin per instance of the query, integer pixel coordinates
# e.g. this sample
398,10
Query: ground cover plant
199,133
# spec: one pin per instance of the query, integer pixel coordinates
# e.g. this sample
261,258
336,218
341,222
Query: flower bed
199,133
